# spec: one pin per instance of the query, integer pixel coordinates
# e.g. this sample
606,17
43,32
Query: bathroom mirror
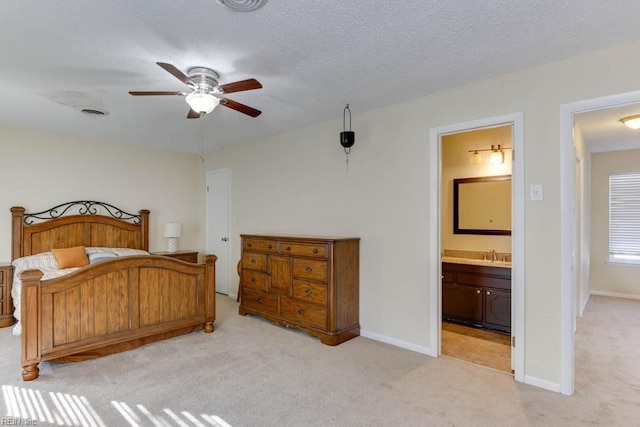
482,205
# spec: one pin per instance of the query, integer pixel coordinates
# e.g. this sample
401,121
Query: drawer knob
253,279
269,246
308,269
248,245
478,291
308,291
259,300
315,251
253,261
301,311
488,292
288,248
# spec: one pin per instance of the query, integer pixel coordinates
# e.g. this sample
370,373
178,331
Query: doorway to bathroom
475,245
477,283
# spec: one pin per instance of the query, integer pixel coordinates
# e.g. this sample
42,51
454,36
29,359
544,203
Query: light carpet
252,373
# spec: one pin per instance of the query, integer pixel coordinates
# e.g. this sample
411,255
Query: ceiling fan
205,93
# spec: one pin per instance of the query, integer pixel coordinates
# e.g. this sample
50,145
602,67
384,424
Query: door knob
225,239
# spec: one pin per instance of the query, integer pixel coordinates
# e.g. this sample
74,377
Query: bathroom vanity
477,293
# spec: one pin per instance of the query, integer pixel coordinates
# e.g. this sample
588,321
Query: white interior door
218,183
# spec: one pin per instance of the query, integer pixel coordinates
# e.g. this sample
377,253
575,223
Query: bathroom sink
473,261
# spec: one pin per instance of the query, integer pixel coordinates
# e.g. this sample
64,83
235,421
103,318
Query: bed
105,307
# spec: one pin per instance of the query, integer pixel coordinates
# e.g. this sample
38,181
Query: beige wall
296,183
609,278
456,164
41,170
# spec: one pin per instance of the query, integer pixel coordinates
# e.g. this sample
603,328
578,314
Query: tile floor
479,346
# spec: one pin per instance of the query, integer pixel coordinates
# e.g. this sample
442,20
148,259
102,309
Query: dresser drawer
310,292
260,302
254,280
253,261
303,249
259,245
304,313
1,278
310,269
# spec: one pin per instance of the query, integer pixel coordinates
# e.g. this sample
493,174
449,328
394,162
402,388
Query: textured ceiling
311,56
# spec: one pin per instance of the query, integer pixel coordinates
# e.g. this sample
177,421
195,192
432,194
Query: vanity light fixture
476,158
632,122
496,156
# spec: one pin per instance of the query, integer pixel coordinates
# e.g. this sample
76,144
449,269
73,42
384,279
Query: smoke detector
242,5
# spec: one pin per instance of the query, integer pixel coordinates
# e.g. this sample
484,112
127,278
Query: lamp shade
172,229
202,103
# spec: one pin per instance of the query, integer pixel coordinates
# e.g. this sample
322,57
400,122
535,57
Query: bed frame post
30,319
144,222
210,286
17,218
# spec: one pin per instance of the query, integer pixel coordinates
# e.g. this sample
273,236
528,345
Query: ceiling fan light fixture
202,103
632,122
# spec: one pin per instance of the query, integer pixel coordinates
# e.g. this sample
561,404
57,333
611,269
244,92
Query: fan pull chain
201,156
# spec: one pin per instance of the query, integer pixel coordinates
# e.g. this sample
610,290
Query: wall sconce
347,137
632,122
496,157
172,230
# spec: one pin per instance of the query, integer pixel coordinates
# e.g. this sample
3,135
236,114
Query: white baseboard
615,295
234,296
397,343
537,382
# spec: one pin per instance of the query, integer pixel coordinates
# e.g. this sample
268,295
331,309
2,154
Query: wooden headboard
77,224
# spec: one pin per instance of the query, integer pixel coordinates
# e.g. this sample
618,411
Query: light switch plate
537,193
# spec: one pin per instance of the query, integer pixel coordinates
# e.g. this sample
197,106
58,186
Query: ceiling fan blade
143,93
176,73
240,107
248,84
193,115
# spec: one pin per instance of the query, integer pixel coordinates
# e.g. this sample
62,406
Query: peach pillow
71,257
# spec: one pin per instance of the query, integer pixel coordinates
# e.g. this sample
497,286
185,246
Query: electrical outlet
536,193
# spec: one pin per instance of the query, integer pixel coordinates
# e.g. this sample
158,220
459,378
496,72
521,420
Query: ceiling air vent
242,5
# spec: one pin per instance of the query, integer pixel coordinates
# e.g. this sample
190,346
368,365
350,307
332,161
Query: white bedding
46,262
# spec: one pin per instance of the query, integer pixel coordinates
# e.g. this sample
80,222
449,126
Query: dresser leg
30,372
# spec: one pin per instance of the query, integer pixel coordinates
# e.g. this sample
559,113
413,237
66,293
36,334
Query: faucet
494,256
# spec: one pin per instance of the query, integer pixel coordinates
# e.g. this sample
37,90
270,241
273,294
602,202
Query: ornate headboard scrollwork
82,222
85,207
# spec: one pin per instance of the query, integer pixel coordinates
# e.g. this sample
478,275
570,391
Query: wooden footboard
113,306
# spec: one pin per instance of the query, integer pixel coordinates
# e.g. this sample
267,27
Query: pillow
101,256
71,257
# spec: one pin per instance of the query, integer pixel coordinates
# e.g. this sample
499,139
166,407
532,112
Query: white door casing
435,246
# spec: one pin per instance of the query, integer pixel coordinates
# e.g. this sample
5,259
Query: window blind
624,216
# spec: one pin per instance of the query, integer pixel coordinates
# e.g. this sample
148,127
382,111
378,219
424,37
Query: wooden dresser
308,283
6,306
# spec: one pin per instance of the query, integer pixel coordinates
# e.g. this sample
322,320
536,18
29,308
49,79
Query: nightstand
6,306
189,256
